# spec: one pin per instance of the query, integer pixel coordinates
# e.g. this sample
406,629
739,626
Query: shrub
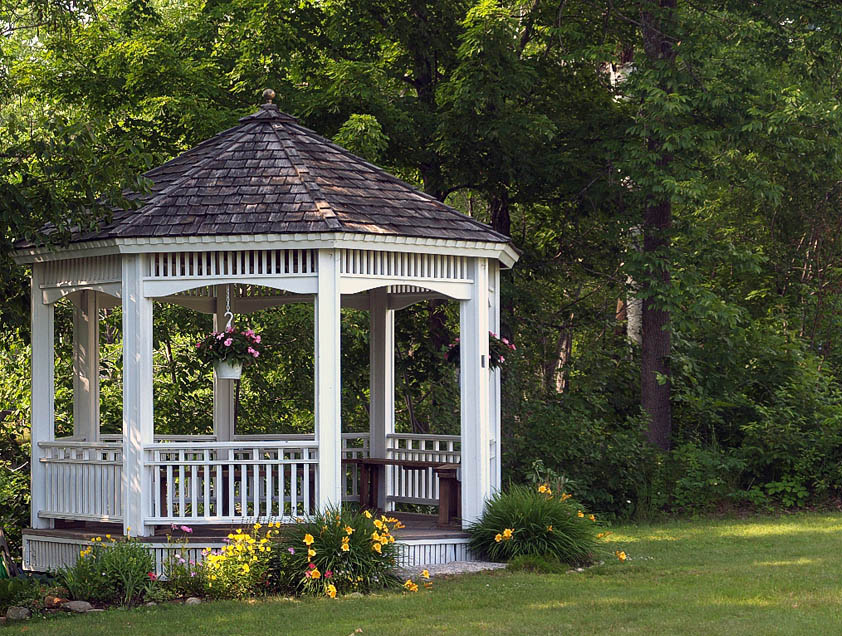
607,458
337,552
240,569
534,521
696,479
20,590
120,571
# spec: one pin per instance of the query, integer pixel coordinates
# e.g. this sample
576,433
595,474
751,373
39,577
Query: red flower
152,576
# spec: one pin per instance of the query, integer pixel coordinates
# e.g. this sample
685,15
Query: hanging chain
228,312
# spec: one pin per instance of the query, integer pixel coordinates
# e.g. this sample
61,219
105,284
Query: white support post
86,367
328,381
223,390
381,380
138,425
43,393
476,422
494,375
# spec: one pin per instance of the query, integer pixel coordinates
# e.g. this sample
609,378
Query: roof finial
268,96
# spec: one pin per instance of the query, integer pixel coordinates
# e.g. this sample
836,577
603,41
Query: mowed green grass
756,576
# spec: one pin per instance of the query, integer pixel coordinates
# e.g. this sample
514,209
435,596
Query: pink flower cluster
229,344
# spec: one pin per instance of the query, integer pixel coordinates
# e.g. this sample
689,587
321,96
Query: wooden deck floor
417,527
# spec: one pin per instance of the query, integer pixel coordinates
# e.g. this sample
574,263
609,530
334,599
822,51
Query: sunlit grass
753,576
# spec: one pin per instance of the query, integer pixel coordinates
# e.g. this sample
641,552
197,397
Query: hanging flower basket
498,348
228,369
229,351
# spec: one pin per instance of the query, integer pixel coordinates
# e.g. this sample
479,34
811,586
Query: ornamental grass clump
535,521
338,552
240,568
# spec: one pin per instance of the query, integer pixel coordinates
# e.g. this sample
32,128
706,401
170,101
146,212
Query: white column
86,367
494,375
476,422
138,426
223,390
43,392
328,383
381,380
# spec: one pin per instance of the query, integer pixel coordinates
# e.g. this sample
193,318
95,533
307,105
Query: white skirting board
49,553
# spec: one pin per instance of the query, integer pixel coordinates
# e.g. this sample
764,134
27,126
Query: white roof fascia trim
504,252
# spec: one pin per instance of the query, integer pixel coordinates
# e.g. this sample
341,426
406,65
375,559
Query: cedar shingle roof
269,175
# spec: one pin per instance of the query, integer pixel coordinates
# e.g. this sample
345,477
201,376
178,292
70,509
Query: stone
193,601
355,595
151,604
80,607
15,613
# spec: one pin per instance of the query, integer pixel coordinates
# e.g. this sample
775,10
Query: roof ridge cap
313,190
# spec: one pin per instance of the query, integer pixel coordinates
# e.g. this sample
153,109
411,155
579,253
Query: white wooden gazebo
266,213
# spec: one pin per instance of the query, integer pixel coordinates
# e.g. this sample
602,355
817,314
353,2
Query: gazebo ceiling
270,175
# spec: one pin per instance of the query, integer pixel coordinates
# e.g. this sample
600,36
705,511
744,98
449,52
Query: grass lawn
756,576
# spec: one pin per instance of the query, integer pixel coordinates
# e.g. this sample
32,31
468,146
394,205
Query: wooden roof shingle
270,175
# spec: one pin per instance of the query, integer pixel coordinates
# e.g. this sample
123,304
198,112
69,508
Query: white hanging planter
228,369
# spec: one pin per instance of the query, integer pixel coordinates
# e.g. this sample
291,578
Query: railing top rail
75,443
425,436
238,445
276,436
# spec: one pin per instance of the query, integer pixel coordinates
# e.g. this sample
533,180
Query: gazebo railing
196,480
230,482
83,480
415,486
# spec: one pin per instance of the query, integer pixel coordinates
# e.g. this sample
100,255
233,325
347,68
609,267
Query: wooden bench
450,494
371,474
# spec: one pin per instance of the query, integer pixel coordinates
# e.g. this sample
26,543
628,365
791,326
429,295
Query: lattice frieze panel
403,265
252,263
77,271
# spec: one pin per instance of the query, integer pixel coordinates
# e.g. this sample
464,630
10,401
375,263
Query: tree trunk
500,219
655,346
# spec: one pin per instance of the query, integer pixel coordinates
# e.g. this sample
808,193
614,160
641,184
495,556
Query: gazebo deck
420,542
416,527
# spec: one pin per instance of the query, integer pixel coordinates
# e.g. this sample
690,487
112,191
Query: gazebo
265,213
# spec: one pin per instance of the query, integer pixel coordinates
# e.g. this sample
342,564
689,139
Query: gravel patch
455,567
